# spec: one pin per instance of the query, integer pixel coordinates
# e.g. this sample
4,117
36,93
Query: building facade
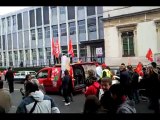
25,35
129,32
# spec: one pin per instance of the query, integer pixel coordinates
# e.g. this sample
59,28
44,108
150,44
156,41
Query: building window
100,10
34,56
128,45
4,42
47,32
54,19
72,28
63,30
32,18
19,18
100,29
71,13
90,10
33,37
55,30
3,26
15,55
25,20
83,51
91,25
0,42
48,53
9,24
27,55
80,7
14,20
81,26
40,53
38,16
64,50
21,55
62,10
9,42
40,35
46,15
75,50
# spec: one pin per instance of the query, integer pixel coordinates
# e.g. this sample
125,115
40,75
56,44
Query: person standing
66,86
5,99
10,79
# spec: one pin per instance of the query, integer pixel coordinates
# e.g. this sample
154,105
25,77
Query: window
101,29
72,28
40,35
8,21
64,49
46,15
34,56
48,53
19,18
71,13
3,26
4,42
10,56
54,15
0,42
39,17
27,55
21,55
81,26
83,51
62,10
33,35
75,50
63,30
80,7
100,10
14,20
40,53
32,18
26,38
128,45
43,74
9,42
15,55
47,32
91,25
55,30
90,10
25,20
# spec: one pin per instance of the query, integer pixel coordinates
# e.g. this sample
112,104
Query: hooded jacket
127,107
45,104
93,89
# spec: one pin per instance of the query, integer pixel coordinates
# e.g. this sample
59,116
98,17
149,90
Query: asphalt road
75,107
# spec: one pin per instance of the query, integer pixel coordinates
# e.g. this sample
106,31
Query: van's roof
26,71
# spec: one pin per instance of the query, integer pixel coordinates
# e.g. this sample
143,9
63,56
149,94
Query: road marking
8,89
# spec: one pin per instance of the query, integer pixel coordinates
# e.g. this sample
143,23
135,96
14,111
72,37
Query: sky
5,10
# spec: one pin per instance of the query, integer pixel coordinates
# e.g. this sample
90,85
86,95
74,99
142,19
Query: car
21,75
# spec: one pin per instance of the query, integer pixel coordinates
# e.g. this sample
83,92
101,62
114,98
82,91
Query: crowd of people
105,92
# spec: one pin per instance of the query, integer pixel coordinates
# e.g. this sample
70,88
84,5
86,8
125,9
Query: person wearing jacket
5,98
121,101
36,101
93,89
10,79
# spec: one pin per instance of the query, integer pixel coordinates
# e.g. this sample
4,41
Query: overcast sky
5,10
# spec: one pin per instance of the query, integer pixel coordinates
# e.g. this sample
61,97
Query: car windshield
17,74
32,73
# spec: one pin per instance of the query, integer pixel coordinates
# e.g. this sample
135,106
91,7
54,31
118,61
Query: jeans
66,95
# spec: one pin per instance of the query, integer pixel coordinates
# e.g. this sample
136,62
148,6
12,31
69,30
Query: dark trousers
135,95
11,86
66,95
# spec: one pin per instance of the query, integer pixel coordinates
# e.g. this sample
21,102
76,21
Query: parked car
20,75
51,77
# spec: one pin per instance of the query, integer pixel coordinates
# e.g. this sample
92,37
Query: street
75,107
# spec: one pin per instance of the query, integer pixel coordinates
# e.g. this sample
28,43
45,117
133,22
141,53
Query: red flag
139,68
149,55
52,46
56,49
70,51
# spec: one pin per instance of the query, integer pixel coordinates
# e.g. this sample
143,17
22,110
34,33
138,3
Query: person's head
9,68
122,68
129,67
28,77
106,83
66,72
1,84
117,91
31,87
91,105
91,73
107,67
154,64
122,64
104,66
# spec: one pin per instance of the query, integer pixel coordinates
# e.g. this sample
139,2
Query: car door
42,76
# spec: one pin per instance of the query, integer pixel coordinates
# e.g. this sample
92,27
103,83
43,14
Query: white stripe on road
8,89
